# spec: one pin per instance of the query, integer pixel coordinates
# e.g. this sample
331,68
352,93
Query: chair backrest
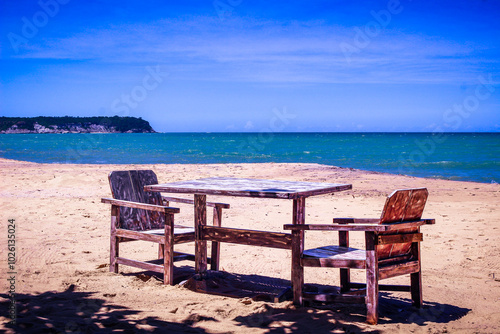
129,186
401,206
404,205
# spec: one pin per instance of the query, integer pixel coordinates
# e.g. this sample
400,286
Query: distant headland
68,124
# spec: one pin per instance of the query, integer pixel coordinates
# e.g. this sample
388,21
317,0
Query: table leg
299,207
200,220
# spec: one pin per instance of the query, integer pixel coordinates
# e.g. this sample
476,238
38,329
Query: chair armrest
410,224
137,205
377,221
219,205
190,201
365,226
339,227
356,220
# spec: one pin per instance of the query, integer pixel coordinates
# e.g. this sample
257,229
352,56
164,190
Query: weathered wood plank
384,227
408,224
140,236
346,299
398,269
190,201
333,263
157,235
200,218
340,227
249,187
184,237
128,186
139,264
168,250
114,241
394,259
297,268
416,277
161,251
372,278
356,221
135,205
178,229
334,256
217,222
345,273
399,238
247,237
335,252
404,205
297,277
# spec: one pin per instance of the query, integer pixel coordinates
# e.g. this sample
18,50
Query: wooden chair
392,248
140,215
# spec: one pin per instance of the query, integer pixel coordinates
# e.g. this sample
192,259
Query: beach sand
63,283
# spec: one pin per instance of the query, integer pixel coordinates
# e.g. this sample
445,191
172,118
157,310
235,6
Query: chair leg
297,269
114,249
161,251
114,241
371,279
345,280
168,251
416,288
215,256
200,244
371,298
345,273
416,278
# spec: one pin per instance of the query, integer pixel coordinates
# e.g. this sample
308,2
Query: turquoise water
456,156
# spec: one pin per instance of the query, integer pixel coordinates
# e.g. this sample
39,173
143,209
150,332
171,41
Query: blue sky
241,65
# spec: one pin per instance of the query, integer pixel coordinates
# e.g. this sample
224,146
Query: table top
227,186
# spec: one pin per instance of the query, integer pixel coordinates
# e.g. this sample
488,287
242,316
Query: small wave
436,163
440,162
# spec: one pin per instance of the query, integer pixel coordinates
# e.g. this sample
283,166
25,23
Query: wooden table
224,186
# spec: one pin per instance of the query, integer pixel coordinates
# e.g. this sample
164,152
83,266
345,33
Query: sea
453,156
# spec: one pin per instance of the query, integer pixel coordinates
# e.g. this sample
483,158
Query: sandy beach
63,283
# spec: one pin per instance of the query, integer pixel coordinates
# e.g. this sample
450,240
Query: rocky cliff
74,125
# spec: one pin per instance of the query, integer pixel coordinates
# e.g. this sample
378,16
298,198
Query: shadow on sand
79,312
316,317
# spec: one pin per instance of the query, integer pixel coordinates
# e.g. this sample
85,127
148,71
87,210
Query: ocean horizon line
277,132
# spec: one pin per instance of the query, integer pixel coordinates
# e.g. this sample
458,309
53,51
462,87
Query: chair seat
336,252
334,255
178,229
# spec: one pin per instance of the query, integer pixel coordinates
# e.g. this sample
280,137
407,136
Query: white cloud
203,48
